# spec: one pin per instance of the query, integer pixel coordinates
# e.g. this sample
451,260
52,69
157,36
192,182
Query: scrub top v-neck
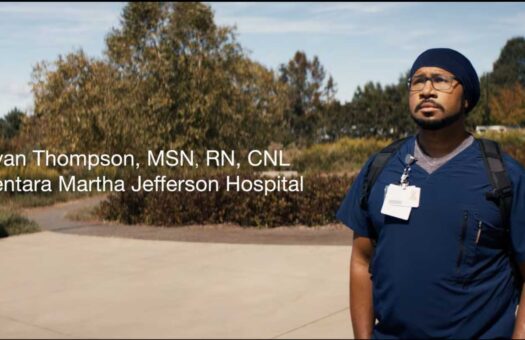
431,164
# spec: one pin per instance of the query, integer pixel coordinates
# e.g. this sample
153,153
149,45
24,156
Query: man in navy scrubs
438,256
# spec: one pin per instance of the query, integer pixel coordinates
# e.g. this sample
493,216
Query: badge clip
409,160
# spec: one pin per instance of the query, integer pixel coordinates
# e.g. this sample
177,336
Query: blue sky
356,42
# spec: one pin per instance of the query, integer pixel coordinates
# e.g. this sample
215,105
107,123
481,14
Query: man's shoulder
514,168
403,145
393,147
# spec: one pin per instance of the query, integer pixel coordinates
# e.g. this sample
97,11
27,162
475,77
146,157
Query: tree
10,125
81,106
307,94
382,111
398,122
10,128
481,113
191,72
170,78
508,105
509,68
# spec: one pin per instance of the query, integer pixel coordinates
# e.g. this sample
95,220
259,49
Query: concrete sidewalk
56,285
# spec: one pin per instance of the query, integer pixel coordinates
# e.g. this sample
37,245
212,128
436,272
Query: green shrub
14,224
316,205
30,172
345,155
31,199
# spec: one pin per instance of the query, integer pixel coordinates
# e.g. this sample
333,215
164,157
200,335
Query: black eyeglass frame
431,78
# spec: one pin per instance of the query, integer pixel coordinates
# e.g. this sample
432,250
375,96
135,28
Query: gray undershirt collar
431,164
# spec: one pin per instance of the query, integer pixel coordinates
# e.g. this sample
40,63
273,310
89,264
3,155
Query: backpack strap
375,169
373,172
501,192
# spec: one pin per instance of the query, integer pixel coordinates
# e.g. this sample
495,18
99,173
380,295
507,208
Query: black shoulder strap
501,191
375,168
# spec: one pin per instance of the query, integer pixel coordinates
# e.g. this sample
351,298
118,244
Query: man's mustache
419,106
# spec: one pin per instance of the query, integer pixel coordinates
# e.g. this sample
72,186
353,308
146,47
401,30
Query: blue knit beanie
457,64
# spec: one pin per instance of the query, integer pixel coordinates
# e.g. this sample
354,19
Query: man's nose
428,90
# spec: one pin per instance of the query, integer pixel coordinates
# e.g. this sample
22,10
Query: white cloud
264,25
71,12
515,22
65,34
361,7
15,94
236,8
15,89
52,25
322,18
232,7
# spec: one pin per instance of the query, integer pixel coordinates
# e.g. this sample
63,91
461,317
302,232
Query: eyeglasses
439,82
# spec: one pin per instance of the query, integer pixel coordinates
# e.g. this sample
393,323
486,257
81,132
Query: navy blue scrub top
430,276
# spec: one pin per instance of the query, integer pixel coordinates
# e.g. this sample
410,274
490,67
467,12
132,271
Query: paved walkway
60,285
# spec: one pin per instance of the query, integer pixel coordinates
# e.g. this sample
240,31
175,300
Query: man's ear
465,104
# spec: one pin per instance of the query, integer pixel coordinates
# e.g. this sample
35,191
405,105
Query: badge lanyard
409,160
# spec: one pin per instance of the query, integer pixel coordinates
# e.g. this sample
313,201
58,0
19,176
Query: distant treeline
171,78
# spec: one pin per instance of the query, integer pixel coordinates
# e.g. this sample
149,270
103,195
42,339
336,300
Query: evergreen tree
509,68
307,94
11,124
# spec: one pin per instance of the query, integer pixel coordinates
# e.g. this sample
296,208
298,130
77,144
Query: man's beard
438,124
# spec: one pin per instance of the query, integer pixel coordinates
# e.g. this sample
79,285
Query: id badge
400,200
